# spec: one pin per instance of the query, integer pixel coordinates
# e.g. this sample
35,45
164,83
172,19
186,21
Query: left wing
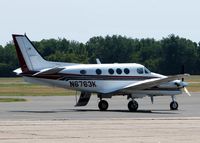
49,71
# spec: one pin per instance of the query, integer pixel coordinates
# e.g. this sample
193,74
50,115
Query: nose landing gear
173,104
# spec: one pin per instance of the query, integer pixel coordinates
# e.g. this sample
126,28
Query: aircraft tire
132,105
174,105
103,105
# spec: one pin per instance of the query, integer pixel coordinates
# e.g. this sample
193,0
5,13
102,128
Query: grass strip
12,100
17,87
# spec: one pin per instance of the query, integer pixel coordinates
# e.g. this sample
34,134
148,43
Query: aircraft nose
184,84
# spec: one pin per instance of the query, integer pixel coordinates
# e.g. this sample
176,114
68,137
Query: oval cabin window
111,71
126,71
82,71
119,71
98,71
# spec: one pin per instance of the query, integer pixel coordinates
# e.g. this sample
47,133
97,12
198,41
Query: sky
80,20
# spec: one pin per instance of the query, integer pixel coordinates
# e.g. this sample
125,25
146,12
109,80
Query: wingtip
186,74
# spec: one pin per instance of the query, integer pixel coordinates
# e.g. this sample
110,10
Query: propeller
183,72
186,91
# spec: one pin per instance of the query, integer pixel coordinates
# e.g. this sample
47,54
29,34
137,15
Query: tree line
165,56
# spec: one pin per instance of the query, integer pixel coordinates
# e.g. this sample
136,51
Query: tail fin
29,58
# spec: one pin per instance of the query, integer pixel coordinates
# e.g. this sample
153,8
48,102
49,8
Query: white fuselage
105,78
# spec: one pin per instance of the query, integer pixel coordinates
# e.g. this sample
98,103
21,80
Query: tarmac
97,131
55,119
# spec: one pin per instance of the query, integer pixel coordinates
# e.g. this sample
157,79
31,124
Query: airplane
106,80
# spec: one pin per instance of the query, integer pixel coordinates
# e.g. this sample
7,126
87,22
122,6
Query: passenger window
98,71
83,71
119,71
140,70
111,71
126,71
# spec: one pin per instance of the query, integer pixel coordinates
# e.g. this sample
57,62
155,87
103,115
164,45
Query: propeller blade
186,91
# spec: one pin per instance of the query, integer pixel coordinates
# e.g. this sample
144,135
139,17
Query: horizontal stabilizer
49,71
18,71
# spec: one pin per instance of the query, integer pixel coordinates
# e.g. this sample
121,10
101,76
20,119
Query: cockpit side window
140,70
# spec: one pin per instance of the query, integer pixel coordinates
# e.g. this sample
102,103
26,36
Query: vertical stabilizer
29,58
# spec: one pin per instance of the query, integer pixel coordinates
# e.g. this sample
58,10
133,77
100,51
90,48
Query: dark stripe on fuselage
65,77
103,77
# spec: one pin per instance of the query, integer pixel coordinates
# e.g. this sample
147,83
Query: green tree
177,52
165,56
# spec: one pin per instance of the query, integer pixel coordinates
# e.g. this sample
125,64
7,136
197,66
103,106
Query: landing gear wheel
174,105
103,105
132,105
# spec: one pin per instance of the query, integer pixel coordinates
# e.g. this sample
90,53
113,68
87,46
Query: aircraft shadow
162,111
126,111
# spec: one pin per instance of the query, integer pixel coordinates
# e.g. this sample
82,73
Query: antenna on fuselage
98,61
182,71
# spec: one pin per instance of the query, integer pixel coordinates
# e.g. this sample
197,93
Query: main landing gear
132,105
103,105
173,104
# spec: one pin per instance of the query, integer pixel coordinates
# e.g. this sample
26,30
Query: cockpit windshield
143,70
146,70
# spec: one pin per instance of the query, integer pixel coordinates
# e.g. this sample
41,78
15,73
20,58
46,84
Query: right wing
151,82
146,84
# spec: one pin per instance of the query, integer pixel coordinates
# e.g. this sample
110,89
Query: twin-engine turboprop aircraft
106,80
